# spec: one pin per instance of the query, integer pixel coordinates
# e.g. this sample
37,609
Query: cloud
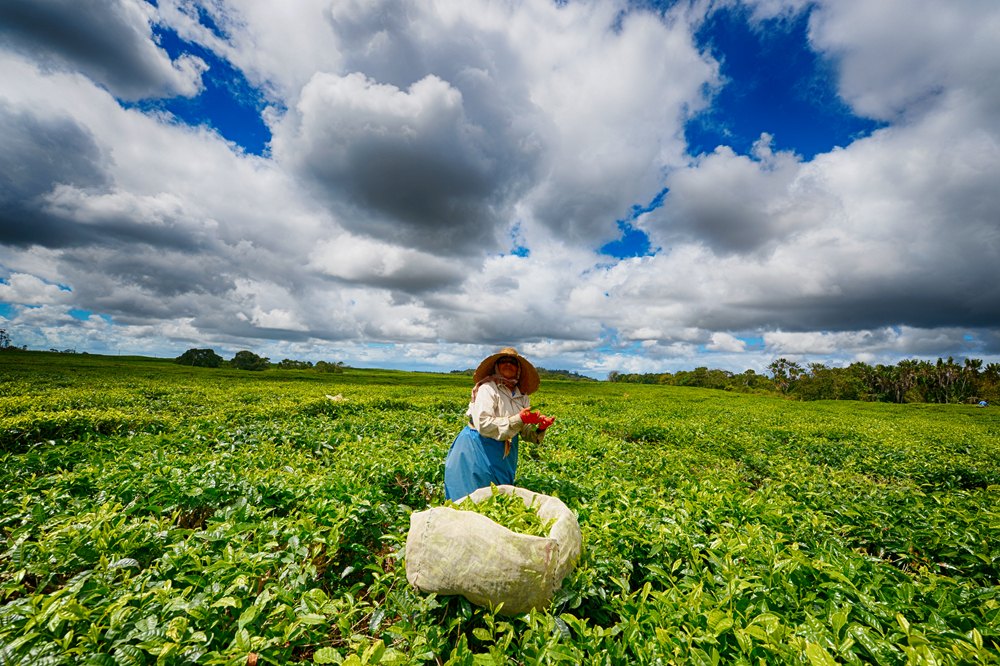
28,289
897,228
449,115
730,202
364,261
782,343
896,58
254,36
108,40
617,100
442,174
408,167
723,342
30,173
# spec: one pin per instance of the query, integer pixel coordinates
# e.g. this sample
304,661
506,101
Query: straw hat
528,381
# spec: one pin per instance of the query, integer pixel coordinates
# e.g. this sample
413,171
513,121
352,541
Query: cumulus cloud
31,173
724,342
730,202
23,288
442,174
110,41
618,100
884,52
898,227
364,261
254,36
408,167
449,114
783,343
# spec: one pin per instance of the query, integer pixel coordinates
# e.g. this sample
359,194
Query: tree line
543,373
247,360
911,380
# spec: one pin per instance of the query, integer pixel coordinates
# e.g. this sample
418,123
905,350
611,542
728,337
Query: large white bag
466,553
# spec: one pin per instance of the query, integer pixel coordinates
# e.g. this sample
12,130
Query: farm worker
499,414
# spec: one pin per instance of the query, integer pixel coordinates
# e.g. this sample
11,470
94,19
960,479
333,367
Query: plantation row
154,513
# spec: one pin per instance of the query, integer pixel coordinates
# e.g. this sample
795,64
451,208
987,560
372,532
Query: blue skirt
475,462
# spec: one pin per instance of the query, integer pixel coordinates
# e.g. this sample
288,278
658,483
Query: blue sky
774,83
638,187
227,103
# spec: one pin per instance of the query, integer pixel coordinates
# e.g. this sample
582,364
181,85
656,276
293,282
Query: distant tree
848,383
702,377
785,373
946,381
992,372
563,374
887,382
989,383
969,378
816,383
247,360
201,358
324,366
4,339
289,364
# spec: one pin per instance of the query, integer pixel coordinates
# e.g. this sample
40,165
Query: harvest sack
466,553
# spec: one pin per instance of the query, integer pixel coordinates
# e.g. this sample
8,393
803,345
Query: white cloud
782,343
724,342
404,166
366,261
110,41
279,46
414,148
730,202
27,289
895,57
617,101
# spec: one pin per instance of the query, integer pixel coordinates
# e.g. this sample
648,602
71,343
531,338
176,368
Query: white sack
466,553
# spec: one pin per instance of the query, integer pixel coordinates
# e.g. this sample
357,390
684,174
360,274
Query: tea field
155,513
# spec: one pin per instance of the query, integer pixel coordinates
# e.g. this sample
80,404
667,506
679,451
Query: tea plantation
155,513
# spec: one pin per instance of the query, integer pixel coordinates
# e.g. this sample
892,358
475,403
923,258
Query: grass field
154,513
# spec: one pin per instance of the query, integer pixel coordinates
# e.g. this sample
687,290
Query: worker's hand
541,420
528,416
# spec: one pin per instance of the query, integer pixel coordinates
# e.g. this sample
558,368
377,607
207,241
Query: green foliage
908,381
544,373
247,360
200,358
158,513
568,375
509,511
290,364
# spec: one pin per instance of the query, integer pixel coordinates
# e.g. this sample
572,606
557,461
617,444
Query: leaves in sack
508,510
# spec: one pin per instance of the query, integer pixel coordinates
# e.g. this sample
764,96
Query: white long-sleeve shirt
495,414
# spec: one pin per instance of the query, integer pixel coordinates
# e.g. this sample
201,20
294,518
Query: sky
607,185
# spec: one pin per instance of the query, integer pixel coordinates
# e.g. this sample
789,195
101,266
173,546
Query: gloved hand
528,416
543,422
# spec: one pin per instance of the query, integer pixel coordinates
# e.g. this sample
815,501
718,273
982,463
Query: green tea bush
158,513
509,511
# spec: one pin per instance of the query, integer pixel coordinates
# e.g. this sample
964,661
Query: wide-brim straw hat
528,381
